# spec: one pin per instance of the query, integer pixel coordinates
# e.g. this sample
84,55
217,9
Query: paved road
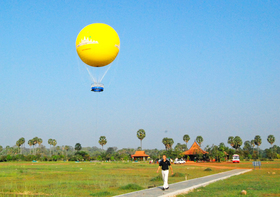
185,186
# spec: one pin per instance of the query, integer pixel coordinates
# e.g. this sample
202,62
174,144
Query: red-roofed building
194,151
140,155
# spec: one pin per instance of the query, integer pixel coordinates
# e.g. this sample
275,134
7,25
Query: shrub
83,154
32,157
76,158
72,158
9,158
44,158
125,158
208,169
255,155
3,159
61,157
157,178
54,158
93,158
178,174
19,157
105,193
131,186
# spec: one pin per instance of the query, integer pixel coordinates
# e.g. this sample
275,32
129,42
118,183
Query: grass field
85,178
259,182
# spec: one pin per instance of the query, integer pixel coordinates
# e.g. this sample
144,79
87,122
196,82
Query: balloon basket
97,87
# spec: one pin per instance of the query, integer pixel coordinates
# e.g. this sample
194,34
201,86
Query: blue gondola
97,87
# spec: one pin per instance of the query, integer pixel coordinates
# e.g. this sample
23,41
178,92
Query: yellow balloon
97,44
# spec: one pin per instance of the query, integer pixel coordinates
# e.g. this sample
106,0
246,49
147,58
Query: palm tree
199,140
222,145
50,143
141,134
58,149
30,143
35,141
253,144
271,139
8,150
231,141
40,141
186,139
66,148
258,142
237,142
247,145
78,147
18,144
170,143
102,141
165,142
1,148
22,141
54,142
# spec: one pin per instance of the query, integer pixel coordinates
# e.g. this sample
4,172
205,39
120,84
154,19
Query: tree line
37,151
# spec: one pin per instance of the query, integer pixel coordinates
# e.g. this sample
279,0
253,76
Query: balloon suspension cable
92,78
105,73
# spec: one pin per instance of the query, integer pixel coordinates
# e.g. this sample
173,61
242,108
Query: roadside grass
259,182
85,178
131,186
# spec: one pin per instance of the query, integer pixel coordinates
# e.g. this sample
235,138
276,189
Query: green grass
104,193
131,186
178,174
259,182
85,178
157,178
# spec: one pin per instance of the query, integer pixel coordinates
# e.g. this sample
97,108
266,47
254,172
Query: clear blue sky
207,68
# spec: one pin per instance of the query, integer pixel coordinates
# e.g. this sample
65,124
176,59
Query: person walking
164,164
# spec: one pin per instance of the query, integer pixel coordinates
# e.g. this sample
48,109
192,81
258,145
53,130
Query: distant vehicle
179,161
235,158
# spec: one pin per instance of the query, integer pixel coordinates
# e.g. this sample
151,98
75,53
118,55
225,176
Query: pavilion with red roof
140,155
194,151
